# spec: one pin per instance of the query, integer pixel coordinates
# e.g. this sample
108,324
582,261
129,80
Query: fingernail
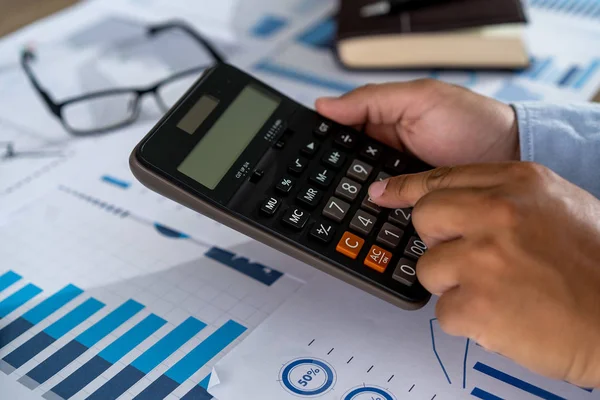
377,188
326,98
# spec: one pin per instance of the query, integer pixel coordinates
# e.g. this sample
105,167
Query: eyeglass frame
56,108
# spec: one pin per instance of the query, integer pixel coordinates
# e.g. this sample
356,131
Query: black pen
388,7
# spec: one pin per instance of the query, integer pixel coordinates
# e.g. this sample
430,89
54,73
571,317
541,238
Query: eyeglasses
107,110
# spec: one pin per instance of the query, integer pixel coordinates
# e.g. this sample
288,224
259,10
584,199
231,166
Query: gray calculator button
405,272
382,176
359,171
415,248
363,222
348,189
390,235
336,209
371,207
400,216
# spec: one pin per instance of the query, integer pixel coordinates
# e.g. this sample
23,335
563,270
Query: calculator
242,153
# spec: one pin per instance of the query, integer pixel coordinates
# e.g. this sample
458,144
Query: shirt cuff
524,123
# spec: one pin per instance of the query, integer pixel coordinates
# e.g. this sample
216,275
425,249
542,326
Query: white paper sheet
113,255
346,338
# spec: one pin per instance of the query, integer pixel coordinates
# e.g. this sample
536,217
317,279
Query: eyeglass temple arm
26,56
153,30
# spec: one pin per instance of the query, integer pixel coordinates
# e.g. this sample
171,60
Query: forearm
565,138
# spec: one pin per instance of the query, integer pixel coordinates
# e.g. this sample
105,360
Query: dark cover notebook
453,33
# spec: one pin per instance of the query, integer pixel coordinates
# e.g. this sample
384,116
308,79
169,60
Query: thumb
374,103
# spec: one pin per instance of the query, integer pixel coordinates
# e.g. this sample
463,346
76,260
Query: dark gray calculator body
247,156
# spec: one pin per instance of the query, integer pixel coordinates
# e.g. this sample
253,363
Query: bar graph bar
38,313
18,298
567,77
256,271
76,347
587,74
205,381
197,393
7,279
45,338
146,362
582,8
515,382
97,365
115,181
483,395
320,35
538,67
192,362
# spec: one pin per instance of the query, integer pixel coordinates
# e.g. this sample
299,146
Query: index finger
406,190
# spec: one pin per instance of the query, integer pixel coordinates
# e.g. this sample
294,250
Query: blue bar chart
112,353
320,35
106,358
45,338
142,365
7,279
39,312
581,8
192,362
572,76
83,342
120,183
515,382
17,299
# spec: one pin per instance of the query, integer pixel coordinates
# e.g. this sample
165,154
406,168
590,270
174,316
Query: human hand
439,123
514,254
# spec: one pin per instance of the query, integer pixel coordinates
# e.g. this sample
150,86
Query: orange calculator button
378,258
350,245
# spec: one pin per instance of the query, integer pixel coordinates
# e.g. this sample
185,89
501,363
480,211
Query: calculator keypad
348,189
322,231
270,205
322,199
390,236
298,165
346,140
371,151
359,171
395,165
415,248
378,258
296,218
323,128
285,184
400,216
371,207
363,222
310,197
405,272
310,148
350,245
322,177
334,159
336,209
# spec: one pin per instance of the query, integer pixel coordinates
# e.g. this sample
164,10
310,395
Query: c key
350,245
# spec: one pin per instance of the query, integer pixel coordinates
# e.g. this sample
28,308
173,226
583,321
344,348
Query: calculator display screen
225,141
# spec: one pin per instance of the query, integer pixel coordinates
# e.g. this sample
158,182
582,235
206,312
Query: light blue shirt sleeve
564,138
